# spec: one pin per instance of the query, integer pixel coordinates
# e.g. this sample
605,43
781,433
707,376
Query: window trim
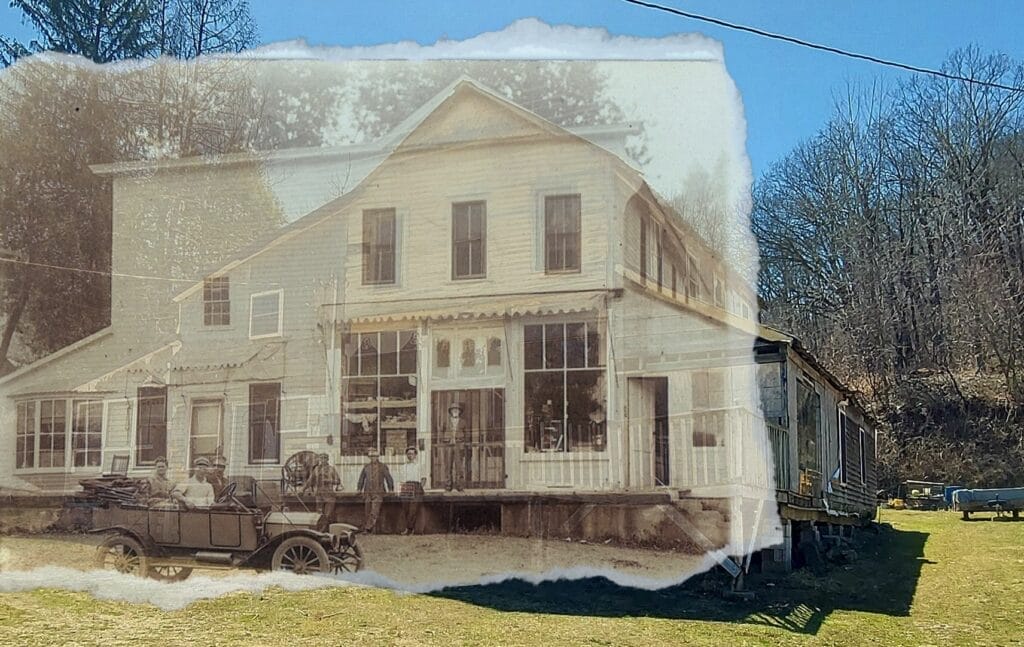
483,241
280,313
208,283
365,245
544,197
841,449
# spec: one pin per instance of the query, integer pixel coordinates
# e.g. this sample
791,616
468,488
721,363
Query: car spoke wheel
348,561
301,555
169,573
122,554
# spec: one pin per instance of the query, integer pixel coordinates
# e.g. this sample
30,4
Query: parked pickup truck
998,500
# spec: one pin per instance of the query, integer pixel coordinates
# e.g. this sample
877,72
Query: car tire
123,554
300,555
169,573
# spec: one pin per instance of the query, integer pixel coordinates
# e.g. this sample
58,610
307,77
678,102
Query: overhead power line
824,48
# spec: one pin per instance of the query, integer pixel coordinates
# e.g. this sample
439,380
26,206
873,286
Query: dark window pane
586,396
533,347
595,352
151,425
407,354
494,352
575,345
388,353
368,354
544,414
554,346
264,422
468,353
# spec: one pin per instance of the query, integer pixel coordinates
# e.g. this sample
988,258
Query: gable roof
395,142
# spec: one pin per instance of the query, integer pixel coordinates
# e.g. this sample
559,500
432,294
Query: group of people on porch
207,481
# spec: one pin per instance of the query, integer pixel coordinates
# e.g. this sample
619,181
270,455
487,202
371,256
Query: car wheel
349,560
301,555
169,573
122,554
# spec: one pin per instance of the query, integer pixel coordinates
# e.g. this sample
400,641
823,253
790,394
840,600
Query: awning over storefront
548,303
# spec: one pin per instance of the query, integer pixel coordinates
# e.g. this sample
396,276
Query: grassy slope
934,580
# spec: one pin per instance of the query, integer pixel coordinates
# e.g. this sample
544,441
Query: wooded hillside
892,243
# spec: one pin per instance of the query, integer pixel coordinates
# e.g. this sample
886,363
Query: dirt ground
419,561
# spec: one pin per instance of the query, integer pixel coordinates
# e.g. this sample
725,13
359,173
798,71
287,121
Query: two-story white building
485,257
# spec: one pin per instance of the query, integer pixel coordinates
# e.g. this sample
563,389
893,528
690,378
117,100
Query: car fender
263,554
142,538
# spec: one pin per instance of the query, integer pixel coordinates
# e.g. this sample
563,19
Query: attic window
216,304
266,314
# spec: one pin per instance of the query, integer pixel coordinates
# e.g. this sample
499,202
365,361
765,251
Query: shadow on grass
882,581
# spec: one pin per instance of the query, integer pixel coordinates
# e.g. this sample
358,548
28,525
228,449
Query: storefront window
565,388
379,396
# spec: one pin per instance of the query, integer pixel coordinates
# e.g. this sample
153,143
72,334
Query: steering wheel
228,494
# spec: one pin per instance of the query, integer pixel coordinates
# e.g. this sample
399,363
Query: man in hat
452,441
196,491
323,481
216,477
374,481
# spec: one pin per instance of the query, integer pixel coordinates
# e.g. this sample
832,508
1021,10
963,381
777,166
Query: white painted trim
280,313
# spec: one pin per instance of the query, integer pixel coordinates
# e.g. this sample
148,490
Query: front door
483,456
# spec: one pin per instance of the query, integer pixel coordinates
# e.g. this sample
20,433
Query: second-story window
378,246
469,236
562,233
266,314
216,302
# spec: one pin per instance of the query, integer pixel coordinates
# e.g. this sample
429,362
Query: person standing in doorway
452,441
411,490
374,482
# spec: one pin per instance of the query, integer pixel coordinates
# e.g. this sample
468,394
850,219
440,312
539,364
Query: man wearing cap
374,481
452,441
216,477
196,491
323,481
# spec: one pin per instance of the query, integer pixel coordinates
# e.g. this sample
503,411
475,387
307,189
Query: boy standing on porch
411,489
374,481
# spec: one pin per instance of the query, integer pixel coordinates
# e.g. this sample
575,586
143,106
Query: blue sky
787,90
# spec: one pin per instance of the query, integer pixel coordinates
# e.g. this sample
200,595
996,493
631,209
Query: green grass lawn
932,580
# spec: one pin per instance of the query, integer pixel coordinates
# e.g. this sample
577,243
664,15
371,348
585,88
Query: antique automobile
167,543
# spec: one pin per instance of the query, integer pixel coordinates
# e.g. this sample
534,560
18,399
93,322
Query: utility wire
824,48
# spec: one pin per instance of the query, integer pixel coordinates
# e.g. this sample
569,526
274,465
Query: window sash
216,302
87,434
265,314
198,434
379,233
469,235
151,425
25,450
562,240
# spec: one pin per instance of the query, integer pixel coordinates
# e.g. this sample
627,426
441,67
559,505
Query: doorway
484,455
648,431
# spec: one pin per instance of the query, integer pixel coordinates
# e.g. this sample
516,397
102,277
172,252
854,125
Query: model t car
167,543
